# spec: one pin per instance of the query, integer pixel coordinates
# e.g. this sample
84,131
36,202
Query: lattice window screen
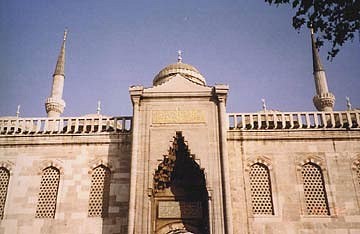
314,190
99,192
260,186
48,193
4,182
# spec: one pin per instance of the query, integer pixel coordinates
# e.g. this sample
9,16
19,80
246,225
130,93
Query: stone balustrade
65,125
272,120
237,121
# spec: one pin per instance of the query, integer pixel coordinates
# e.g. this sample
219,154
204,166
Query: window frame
319,162
274,193
56,205
104,213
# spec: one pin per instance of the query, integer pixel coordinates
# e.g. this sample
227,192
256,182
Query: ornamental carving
324,101
178,168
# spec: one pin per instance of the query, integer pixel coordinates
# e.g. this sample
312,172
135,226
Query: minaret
323,100
54,104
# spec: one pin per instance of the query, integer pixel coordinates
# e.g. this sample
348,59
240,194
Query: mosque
182,164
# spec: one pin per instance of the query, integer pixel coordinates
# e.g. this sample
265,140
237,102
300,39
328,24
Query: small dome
186,70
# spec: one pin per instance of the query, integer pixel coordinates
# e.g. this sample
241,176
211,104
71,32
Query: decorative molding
50,163
8,165
311,159
99,162
261,160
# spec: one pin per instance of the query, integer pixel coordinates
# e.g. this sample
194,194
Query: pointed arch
99,192
8,165
180,194
100,162
57,164
261,159
178,168
311,159
49,186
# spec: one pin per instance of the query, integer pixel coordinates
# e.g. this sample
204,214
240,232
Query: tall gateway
179,165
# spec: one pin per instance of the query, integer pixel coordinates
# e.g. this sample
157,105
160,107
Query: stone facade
75,156
284,153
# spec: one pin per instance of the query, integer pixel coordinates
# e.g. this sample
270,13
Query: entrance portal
180,201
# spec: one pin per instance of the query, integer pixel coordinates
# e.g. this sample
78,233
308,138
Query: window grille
99,192
48,193
4,182
260,186
314,190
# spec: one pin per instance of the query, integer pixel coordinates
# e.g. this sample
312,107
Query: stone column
221,91
135,93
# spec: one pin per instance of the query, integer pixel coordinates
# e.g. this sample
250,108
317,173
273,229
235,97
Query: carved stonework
176,209
162,177
56,105
324,102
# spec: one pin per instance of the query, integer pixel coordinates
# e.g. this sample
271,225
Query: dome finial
348,103
18,111
98,109
263,104
65,34
179,56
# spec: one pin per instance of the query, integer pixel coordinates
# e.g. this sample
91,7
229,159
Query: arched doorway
180,197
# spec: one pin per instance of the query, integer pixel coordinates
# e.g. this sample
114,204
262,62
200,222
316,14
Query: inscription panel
178,116
176,209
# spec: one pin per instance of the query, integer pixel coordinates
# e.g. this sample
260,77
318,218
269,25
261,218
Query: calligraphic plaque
179,209
178,116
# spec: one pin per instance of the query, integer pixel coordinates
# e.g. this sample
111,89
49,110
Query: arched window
316,202
4,182
99,192
48,193
260,187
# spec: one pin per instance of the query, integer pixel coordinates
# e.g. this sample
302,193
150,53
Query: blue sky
115,44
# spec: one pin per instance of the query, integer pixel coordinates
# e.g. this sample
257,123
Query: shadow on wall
116,186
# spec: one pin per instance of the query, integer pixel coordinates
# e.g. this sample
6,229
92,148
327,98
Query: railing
64,125
294,120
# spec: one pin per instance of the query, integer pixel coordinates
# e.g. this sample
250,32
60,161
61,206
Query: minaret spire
54,104
317,65
323,100
60,65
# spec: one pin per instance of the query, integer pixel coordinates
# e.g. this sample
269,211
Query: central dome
186,70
